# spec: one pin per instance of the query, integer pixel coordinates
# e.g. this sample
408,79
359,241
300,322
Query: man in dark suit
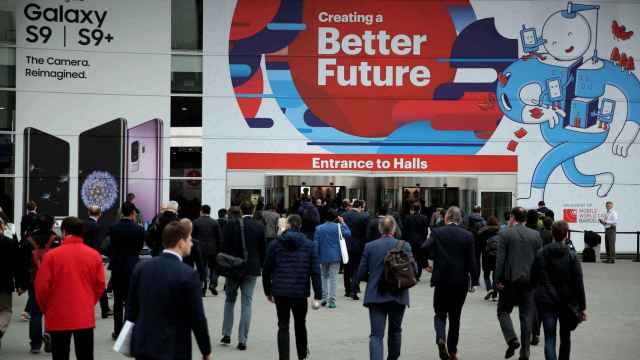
416,227
207,231
357,221
29,220
94,234
13,274
255,248
383,305
165,302
127,239
451,248
517,250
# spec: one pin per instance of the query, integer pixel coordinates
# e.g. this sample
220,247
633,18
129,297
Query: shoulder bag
231,266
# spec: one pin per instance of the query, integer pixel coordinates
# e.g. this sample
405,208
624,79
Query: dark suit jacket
254,239
517,251
208,232
165,303
357,223
93,233
415,229
372,268
13,269
27,223
127,239
452,249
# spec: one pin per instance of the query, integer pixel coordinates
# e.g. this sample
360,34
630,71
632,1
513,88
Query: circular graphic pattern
101,189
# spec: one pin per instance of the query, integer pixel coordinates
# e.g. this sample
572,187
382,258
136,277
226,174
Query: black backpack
492,246
588,255
399,270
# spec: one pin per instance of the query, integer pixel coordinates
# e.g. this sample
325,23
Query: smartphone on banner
144,166
102,169
46,172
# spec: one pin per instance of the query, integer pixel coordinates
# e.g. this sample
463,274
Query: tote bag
343,246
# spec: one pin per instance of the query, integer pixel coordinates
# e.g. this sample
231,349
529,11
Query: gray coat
517,251
270,223
372,269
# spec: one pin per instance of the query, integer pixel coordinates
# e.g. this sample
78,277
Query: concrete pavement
612,332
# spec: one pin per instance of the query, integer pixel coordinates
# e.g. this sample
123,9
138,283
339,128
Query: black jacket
415,229
94,233
452,249
40,238
486,233
27,223
254,239
126,241
207,231
556,276
154,233
165,303
292,260
13,271
196,259
357,223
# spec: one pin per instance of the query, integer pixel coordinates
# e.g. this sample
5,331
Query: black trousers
284,307
120,293
448,302
351,284
104,302
521,296
82,341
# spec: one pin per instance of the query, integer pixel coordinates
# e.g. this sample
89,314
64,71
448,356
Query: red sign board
373,163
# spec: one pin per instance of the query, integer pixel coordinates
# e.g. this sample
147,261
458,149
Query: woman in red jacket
69,283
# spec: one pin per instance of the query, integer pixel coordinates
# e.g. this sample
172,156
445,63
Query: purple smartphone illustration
144,165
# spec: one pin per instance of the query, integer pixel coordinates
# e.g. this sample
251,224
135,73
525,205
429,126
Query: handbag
231,266
123,342
343,246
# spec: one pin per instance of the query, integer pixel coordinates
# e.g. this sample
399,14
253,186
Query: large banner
92,104
553,83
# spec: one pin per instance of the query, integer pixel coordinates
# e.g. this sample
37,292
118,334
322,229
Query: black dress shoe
214,292
355,297
226,340
46,340
114,336
442,350
106,314
511,350
535,340
242,346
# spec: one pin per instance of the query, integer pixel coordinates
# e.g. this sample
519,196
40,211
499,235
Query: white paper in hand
343,246
123,343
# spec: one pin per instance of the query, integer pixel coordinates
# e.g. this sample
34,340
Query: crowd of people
527,262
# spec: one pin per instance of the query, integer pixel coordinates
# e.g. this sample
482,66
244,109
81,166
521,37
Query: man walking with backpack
386,301
452,250
516,252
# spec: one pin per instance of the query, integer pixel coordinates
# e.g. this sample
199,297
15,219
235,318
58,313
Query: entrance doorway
397,193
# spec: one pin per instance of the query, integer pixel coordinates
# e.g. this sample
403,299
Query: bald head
94,211
387,225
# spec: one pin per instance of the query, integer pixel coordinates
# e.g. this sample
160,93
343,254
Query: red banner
372,162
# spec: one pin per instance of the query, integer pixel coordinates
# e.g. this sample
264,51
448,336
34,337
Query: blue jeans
329,272
550,321
246,286
378,314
